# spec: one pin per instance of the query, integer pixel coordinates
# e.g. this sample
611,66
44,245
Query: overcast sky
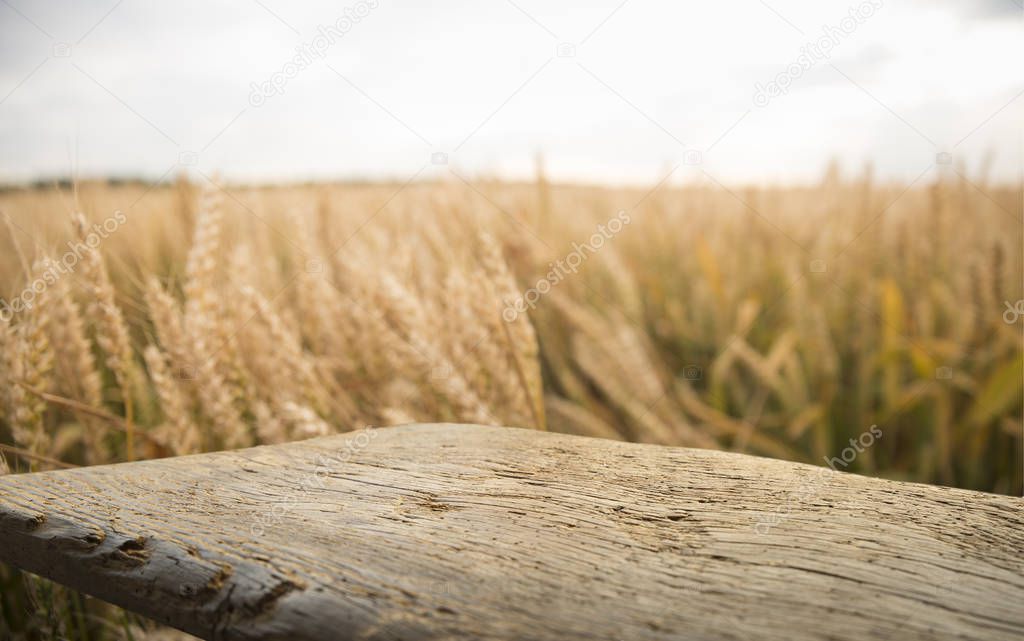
605,90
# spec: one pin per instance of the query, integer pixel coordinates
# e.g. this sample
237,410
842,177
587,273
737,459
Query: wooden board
468,532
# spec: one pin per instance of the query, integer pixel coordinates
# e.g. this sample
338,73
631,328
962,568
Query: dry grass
781,322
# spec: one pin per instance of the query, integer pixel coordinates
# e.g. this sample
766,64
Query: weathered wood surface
466,532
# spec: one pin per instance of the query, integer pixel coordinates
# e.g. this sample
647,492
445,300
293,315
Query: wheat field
145,321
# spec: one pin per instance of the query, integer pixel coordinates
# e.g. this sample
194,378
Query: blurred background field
780,322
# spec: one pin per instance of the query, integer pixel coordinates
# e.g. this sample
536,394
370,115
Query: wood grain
468,532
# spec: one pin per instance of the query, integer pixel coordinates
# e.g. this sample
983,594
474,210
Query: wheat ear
518,333
32,366
165,312
215,397
424,355
182,435
111,330
78,368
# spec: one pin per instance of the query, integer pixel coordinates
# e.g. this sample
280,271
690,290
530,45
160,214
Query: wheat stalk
79,374
200,326
111,330
31,360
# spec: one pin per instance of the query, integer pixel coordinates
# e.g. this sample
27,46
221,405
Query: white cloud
446,69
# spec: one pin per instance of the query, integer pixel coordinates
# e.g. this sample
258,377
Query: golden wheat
780,322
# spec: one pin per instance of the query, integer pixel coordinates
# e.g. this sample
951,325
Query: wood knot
200,593
132,552
92,539
33,522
